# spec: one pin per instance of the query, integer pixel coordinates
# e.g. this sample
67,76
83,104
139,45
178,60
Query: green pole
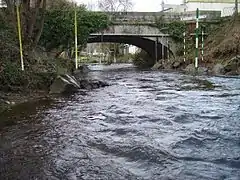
20,36
76,40
197,40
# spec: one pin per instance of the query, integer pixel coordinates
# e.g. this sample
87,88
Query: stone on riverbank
232,67
68,84
92,84
84,68
218,69
190,69
157,66
176,64
64,84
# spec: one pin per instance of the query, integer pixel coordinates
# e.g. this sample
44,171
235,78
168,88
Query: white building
173,8
227,7
1,3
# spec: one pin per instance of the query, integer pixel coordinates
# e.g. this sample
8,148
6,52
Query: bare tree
114,6
32,16
60,4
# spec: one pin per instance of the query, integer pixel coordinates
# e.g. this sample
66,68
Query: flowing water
146,125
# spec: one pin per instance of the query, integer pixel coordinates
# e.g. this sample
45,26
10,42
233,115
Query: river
145,125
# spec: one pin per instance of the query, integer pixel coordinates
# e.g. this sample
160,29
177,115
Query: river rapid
145,125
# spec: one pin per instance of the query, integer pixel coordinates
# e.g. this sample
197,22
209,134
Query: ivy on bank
58,32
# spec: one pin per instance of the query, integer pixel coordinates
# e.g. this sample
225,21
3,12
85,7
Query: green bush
11,76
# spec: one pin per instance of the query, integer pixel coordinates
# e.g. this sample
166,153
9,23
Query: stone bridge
151,43
146,37
138,28
143,34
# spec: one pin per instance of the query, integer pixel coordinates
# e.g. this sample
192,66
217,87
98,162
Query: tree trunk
33,18
41,24
25,21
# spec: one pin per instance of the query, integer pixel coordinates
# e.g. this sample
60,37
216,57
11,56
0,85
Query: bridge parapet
151,17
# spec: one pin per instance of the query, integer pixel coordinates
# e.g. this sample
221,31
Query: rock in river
67,84
64,84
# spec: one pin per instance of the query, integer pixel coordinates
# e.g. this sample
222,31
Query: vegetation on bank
47,30
143,60
220,46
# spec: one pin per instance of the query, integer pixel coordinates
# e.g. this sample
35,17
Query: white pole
197,26
20,36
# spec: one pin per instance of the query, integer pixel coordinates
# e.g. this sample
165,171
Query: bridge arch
146,44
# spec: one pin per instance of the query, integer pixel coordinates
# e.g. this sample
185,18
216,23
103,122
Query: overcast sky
139,5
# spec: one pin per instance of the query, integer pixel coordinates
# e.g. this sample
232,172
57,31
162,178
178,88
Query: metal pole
156,49
76,40
20,36
197,26
184,46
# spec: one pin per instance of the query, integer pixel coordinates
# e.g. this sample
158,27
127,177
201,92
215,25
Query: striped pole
184,46
76,40
197,26
202,44
20,36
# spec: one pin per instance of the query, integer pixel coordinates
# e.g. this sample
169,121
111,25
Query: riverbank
221,52
228,68
19,86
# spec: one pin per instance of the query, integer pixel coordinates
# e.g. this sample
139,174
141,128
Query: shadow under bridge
154,48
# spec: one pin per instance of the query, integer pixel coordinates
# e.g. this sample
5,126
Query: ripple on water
143,126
